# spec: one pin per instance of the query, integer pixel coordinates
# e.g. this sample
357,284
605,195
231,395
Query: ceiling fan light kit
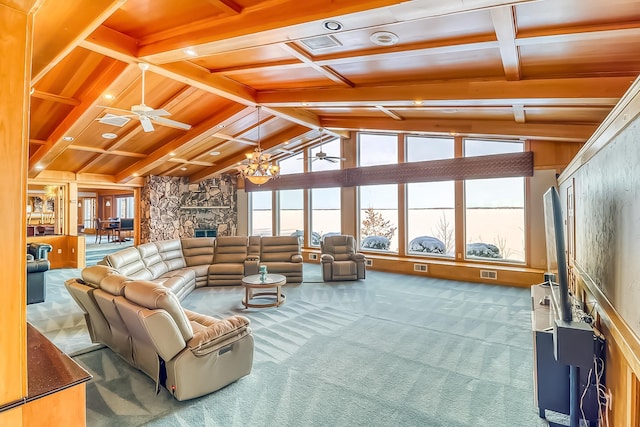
259,168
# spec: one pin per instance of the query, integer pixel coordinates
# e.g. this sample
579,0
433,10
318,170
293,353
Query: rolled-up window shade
479,167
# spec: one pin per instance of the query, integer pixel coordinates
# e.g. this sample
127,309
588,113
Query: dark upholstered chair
37,266
340,261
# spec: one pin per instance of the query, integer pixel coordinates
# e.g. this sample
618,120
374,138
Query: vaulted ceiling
544,70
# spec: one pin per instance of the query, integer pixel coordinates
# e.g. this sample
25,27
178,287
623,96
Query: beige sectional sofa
131,304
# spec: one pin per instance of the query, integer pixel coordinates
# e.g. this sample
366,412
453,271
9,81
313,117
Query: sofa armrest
251,265
326,258
211,334
358,257
296,258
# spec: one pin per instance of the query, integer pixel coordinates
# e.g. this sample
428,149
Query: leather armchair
37,266
189,354
339,259
39,250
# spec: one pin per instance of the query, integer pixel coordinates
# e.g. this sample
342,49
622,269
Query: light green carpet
393,350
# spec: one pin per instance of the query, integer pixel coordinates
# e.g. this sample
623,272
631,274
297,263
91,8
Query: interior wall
172,208
605,181
607,222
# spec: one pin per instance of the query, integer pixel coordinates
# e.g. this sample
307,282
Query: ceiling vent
111,119
321,42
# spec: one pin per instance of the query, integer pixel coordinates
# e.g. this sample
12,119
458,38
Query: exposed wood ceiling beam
227,6
53,41
326,71
497,128
113,72
190,162
290,133
504,23
107,152
119,47
590,90
564,35
518,113
389,112
195,136
55,98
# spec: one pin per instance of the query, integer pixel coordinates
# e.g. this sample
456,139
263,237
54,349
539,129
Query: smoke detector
384,38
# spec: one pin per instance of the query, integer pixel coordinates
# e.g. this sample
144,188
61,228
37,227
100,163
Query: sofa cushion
171,253
152,259
198,250
94,274
129,263
181,281
154,296
231,249
278,248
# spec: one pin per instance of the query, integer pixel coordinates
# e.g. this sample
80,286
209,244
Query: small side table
272,281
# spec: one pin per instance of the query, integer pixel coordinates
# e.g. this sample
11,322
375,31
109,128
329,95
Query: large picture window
494,209
430,205
261,213
325,202
378,203
291,202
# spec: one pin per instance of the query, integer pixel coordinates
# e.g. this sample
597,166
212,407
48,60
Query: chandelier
259,169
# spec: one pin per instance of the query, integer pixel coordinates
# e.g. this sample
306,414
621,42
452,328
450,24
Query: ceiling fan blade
154,113
147,126
114,108
170,123
330,160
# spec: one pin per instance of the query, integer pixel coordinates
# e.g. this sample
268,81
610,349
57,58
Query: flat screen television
556,258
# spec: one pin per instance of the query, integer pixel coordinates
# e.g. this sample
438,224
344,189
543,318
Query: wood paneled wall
14,108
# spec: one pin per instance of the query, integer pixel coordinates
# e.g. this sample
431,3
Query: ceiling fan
145,114
321,155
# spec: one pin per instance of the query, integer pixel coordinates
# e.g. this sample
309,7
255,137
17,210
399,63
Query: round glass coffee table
255,288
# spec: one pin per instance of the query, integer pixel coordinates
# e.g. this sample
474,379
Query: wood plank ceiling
546,69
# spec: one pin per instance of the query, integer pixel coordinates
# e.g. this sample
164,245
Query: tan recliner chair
190,354
340,261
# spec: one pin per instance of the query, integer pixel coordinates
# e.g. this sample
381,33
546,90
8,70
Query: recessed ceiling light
172,154
452,133
214,153
107,96
417,102
183,169
384,38
135,174
109,135
189,51
39,167
287,142
67,138
449,110
221,126
332,25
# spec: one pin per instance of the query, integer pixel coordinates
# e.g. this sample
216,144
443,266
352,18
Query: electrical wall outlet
368,262
313,256
59,250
